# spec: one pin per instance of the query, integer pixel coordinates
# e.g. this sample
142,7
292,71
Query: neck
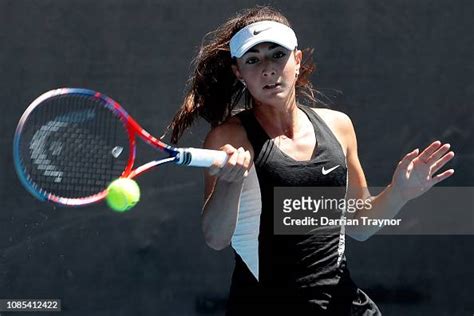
279,120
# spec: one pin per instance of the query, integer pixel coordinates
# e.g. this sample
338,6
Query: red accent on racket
71,143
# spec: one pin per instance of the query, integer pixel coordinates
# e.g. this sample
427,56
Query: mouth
272,86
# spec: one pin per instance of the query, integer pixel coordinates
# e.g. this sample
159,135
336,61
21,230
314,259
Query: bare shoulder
334,118
339,123
230,132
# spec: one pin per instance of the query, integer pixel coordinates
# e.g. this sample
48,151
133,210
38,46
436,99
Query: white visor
260,32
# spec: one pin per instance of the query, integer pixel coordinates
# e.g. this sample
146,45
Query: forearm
220,212
385,205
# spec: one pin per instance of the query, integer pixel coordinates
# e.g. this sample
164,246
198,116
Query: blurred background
401,69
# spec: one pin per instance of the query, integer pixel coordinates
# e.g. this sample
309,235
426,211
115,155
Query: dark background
402,70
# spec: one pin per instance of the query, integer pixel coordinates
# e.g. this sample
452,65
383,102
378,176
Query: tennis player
277,141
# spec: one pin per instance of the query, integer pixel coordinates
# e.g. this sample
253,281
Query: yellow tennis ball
123,194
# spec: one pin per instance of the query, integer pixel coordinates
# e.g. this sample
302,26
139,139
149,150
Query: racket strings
73,146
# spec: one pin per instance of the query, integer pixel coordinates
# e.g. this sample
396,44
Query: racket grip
198,157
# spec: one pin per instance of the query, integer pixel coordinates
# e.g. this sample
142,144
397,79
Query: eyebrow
254,50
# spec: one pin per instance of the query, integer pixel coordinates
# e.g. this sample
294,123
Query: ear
298,57
235,70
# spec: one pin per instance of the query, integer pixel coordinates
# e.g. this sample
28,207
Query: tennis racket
71,143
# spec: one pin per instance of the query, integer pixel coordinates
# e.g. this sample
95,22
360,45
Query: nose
268,69
268,73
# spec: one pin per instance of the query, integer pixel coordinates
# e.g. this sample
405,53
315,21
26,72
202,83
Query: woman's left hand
414,174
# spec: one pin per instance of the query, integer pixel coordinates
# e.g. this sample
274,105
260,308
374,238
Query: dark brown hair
214,91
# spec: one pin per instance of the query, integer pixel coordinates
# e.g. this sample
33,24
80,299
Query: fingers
236,166
408,159
213,170
441,162
246,163
438,153
442,176
425,154
216,168
233,165
242,163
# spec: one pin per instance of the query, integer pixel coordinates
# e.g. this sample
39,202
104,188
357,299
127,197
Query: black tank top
297,273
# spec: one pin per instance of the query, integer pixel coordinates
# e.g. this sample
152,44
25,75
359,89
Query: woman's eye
251,60
279,55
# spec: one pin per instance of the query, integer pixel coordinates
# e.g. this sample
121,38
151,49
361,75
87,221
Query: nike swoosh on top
260,31
325,172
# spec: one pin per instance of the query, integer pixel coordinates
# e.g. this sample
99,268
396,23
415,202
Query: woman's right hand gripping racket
70,144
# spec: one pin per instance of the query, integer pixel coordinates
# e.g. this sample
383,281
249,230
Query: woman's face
269,71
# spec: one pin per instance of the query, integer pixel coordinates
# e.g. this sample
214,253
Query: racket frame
132,127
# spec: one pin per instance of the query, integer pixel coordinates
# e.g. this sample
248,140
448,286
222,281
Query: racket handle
198,157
